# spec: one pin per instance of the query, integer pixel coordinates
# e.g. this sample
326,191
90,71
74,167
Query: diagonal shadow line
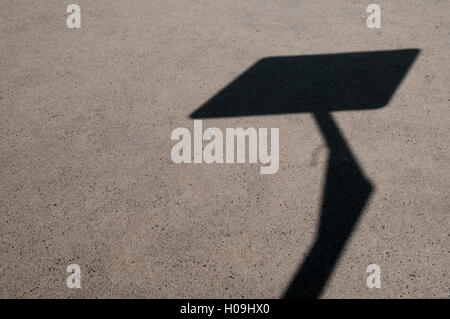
319,84
345,194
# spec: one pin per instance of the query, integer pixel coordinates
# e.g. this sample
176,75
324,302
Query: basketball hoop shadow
319,84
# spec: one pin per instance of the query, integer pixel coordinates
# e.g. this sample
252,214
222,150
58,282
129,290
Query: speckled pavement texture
86,175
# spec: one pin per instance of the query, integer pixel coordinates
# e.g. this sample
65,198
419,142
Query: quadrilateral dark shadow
319,84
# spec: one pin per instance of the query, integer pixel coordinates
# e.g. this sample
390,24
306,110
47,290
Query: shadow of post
345,194
319,84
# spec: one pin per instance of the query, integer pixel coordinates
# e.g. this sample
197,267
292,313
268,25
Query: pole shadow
319,84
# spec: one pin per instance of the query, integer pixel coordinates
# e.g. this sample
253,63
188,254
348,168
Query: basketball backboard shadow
310,83
319,84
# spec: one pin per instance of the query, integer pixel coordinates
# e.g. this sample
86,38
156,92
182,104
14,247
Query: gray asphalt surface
86,175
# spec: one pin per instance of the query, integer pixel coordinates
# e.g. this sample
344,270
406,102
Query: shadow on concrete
319,84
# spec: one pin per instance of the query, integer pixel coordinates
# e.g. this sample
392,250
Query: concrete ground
86,175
